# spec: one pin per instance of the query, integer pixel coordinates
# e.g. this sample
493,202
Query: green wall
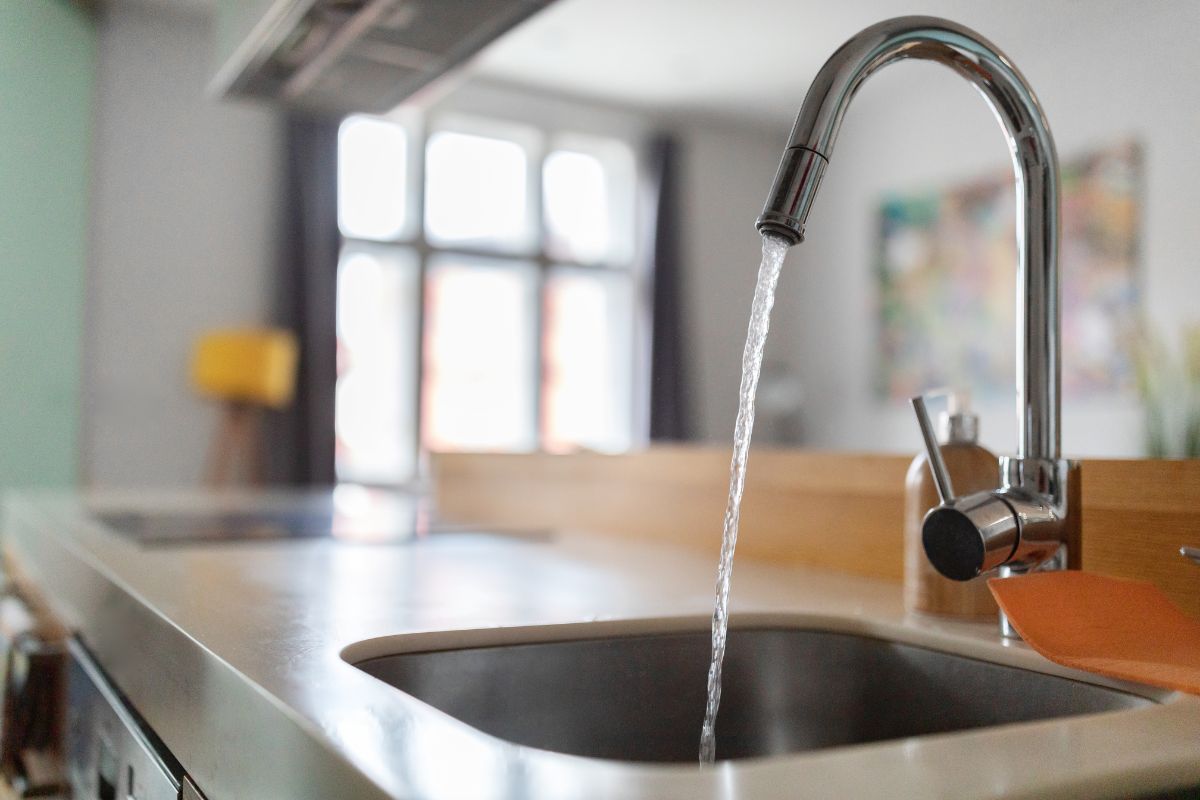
47,60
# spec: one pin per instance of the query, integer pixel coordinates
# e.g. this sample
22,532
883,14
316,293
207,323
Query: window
478,387
487,296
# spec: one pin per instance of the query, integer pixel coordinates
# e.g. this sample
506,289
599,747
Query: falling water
774,249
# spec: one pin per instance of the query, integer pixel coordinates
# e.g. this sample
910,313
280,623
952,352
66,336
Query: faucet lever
937,465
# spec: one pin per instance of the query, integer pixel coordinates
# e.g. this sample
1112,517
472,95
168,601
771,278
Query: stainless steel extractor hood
341,56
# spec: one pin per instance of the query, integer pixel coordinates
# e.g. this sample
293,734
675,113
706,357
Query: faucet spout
1030,520
1032,147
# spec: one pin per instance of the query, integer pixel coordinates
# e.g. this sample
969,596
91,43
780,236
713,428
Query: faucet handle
937,465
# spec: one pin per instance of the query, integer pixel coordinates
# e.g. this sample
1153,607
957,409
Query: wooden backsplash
1136,514
842,511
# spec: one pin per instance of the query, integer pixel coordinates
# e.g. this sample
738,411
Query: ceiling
750,58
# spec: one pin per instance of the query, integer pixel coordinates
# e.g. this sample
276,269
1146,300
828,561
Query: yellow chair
248,371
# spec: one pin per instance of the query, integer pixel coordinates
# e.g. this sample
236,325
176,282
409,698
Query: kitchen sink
786,690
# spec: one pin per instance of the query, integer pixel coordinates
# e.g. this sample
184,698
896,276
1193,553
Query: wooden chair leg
227,441
220,451
252,446
237,443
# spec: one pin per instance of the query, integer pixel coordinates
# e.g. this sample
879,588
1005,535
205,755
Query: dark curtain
669,420
300,441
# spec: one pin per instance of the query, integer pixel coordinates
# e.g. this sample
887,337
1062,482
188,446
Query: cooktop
345,513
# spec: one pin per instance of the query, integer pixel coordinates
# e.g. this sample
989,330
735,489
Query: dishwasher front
111,754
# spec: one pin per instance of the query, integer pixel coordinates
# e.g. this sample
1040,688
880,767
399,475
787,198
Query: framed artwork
946,267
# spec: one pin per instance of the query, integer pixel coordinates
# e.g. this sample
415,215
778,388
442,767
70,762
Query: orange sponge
1111,626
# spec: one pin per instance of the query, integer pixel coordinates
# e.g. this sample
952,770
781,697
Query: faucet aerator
792,194
781,227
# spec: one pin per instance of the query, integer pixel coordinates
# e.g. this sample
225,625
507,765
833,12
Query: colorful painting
947,272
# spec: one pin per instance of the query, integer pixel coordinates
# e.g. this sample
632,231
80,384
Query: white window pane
588,201
476,192
372,178
479,386
576,204
587,353
376,396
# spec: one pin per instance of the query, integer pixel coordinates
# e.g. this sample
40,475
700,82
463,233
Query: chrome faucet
1031,520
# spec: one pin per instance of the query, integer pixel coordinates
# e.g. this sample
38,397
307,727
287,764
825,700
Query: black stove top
360,516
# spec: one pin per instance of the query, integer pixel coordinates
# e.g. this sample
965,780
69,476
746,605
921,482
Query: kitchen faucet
1031,521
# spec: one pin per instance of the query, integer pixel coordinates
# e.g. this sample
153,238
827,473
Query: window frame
539,141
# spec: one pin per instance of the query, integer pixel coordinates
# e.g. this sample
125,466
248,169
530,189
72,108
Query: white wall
725,171
183,239
1127,71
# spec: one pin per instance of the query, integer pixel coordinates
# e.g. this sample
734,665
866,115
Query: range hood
342,56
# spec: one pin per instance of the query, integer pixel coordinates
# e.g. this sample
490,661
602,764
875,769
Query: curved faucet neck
1034,161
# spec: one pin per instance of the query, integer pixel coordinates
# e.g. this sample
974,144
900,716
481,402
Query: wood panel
841,511
837,510
1136,514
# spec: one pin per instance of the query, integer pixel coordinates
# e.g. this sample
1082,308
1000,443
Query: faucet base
1055,562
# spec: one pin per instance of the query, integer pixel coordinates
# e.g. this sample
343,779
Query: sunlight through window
496,315
576,207
476,192
375,399
588,347
372,179
479,385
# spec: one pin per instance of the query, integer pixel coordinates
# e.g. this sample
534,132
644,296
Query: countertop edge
265,751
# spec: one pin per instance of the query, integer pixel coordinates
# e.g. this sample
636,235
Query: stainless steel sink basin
641,697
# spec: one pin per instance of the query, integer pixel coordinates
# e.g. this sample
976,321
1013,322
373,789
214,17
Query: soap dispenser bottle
972,468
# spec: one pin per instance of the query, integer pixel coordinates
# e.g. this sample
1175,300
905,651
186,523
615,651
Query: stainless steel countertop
233,653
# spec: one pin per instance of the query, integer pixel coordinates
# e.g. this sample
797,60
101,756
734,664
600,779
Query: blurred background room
551,246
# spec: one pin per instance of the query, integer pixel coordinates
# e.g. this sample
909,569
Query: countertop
233,653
